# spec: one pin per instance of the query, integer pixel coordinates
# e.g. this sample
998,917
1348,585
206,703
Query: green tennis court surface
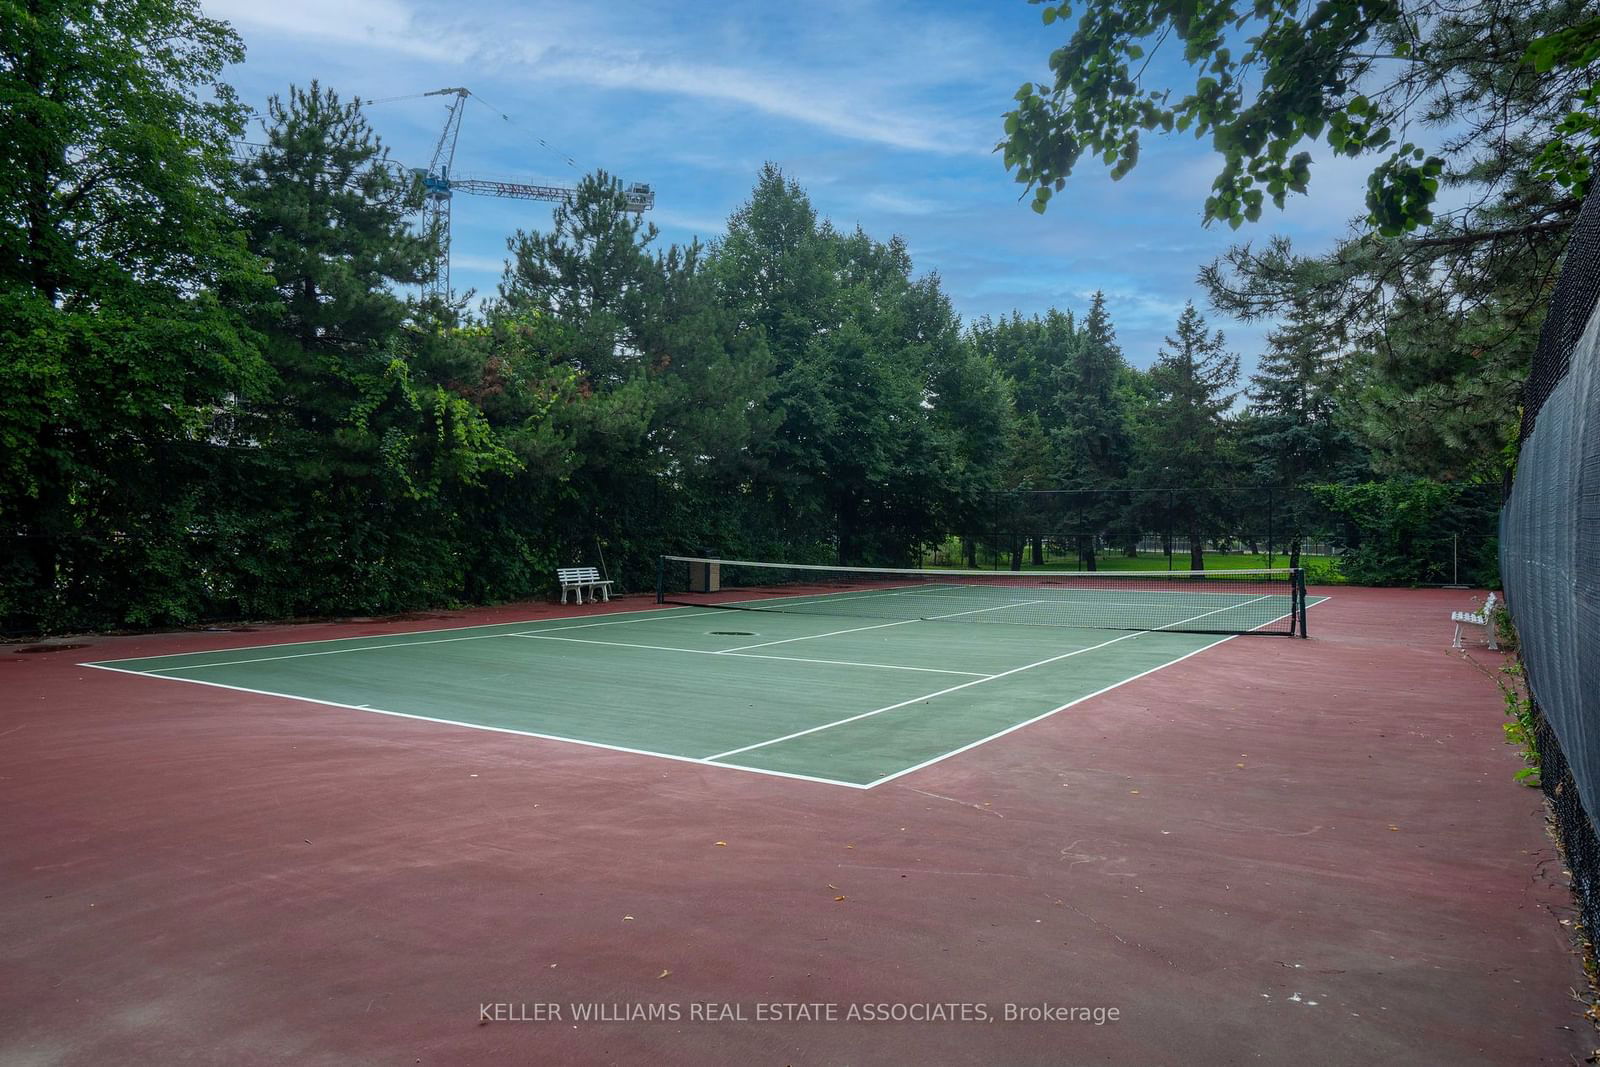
842,700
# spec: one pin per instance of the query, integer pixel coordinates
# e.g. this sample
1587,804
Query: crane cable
546,145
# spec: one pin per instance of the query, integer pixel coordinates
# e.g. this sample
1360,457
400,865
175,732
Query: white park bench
1484,618
581,578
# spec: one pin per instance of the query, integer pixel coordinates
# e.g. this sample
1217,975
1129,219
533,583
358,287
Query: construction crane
439,187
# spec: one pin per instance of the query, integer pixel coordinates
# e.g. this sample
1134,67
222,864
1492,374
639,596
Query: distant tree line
223,397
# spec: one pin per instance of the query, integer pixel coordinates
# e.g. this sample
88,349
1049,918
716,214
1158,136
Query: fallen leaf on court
1238,765
662,975
722,844
834,888
1135,792
627,918
849,846
1394,828
838,898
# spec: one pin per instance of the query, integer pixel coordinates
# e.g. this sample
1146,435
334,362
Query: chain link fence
1452,541
1550,555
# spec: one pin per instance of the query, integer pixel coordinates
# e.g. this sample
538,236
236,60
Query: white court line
746,655
491,729
966,685
1111,596
663,611
841,594
1029,722
980,611
1141,597
363,648
813,599
878,626
813,637
703,761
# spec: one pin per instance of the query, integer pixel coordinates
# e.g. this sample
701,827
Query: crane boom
640,197
438,187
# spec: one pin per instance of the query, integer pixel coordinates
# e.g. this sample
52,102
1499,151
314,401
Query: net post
661,579
1300,597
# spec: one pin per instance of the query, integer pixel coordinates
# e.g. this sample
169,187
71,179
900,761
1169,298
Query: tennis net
1207,602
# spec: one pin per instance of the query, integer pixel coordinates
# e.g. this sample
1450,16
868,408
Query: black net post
661,579
1300,595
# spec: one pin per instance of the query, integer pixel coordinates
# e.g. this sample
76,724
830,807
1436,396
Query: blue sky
885,112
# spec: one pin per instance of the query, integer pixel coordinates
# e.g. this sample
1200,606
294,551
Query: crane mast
439,188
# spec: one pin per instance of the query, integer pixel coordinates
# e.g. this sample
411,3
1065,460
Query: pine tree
871,380
1293,432
591,272
778,268
1034,354
1185,433
1091,430
329,213
365,441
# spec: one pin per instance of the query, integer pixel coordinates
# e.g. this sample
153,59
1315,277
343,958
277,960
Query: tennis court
849,678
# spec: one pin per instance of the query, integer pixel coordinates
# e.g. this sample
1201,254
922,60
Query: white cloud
702,226
776,92
487,264
884,111
903,203
385,24
844,96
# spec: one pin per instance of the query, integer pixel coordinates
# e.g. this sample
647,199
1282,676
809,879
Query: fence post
1169,529
1455,562
1269,528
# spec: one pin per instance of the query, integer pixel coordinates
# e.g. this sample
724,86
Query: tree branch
1463,239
